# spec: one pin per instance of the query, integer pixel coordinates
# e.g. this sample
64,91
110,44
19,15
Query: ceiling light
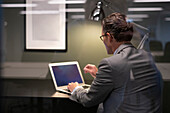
146,9
18,5
52,11
66,2
75,10
136,19
151,1
39,12
78,16
137,16
167,19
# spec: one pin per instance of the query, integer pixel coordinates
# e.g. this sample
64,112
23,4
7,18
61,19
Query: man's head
116,31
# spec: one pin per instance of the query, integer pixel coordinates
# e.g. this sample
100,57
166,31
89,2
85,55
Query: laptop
64,73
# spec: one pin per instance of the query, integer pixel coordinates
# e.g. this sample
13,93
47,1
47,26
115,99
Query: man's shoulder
111,59
116,58
114,61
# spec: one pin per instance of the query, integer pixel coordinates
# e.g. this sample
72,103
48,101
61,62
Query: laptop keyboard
84,86
66,90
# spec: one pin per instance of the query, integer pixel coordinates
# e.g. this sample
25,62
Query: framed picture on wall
45,25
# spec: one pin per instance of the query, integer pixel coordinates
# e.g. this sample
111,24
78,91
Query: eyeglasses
102,36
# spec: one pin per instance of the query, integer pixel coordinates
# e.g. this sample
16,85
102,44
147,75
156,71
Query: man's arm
89,68
100,87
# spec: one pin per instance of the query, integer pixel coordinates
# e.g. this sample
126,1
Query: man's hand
92,69
72,85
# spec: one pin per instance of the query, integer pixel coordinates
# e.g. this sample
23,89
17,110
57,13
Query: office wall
83,42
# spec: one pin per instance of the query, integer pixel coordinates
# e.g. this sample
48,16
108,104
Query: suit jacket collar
123,46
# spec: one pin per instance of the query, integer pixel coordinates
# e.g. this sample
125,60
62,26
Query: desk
38,96
30,88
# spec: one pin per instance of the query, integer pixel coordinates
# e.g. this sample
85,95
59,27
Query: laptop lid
64,73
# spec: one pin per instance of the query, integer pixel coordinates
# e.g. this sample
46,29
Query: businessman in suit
128,81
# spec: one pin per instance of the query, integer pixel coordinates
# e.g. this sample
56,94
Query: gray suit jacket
128,82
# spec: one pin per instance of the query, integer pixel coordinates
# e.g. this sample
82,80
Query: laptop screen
65,74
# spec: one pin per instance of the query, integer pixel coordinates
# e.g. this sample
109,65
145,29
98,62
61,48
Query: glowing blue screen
65,74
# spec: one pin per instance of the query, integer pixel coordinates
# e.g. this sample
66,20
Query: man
128,81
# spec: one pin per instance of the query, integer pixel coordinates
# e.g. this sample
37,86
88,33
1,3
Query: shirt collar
122,46
115,52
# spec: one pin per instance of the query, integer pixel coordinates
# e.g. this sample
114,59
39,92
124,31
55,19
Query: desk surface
31,88
15,92
45,88
164,68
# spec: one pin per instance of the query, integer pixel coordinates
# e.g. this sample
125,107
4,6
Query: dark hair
116,25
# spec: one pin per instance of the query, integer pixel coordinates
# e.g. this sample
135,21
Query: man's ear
109,36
